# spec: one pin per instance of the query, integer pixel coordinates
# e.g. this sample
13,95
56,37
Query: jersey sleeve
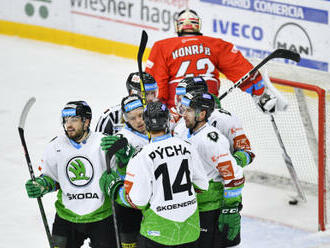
199,177
104,125
221,158
234,66
156,66
137,178
110,122
48,163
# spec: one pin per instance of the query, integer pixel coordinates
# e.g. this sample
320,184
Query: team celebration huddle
165,167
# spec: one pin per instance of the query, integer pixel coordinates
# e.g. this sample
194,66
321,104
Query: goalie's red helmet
188,22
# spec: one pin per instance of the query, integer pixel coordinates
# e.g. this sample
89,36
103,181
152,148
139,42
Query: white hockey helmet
188,22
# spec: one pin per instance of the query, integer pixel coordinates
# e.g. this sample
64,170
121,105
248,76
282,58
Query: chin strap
191,130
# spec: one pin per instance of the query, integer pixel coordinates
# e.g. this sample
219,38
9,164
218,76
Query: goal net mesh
299,130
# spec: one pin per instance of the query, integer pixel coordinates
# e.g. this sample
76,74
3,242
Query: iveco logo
293,37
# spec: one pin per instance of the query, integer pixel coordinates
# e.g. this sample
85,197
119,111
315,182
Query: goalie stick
278,53
142,47
119,144
283,103
289,165
21,125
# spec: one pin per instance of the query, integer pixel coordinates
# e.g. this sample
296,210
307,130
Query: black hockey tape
119,144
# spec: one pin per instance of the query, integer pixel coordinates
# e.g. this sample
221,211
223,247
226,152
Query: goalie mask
156,117
150,85
188,22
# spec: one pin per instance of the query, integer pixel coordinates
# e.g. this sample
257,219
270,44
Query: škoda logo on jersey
79,171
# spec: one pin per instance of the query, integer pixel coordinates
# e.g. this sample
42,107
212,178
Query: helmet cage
187,22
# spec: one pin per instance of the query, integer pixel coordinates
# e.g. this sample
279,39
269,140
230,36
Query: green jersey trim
212,198
168,232
99,214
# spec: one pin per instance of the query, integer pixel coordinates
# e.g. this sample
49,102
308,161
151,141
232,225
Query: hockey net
303,131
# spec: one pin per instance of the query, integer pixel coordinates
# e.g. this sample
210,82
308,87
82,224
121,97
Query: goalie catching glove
271,100
266,102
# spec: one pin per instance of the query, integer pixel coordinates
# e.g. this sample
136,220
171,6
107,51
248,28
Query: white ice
57,74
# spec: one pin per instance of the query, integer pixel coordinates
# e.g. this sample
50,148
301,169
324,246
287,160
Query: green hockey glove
229,222
40,186
108,141
243,158
122,156
110,183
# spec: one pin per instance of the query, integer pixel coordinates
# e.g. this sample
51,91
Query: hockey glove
266,102
122,156
243,158
110,183
40,186
229,222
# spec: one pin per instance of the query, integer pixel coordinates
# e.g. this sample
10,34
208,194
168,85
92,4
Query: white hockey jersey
228,124
77,168
111,121
159,181
214,150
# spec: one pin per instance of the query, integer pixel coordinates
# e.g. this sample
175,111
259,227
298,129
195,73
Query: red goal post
303,129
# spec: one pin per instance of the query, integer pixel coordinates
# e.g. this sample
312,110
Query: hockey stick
278,53
289,165
21,124
119,144
142,47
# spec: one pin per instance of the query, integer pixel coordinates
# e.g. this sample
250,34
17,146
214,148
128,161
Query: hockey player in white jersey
111,120
220,205
160,180
73,164
227,123
134,131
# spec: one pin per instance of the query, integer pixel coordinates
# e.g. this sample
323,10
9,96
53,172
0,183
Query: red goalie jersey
173,59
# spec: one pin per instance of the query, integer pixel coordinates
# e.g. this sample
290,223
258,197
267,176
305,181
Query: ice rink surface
58,74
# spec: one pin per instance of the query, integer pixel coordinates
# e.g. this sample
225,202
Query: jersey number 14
177,186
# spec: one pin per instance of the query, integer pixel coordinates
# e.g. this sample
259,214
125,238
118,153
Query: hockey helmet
199,101
156,117
131,102
77,108
133,82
